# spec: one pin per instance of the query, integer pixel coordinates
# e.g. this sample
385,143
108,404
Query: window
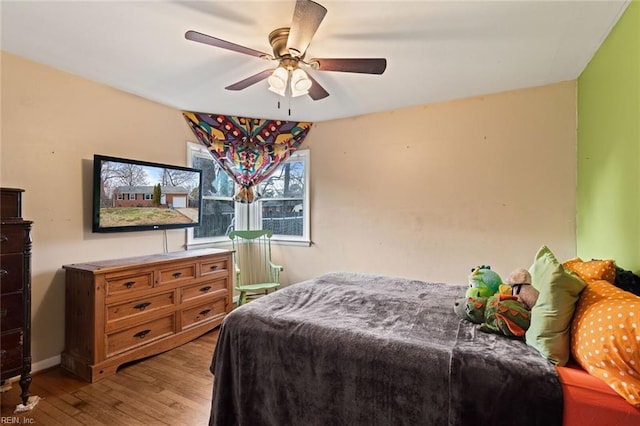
283,208
148,197
217,206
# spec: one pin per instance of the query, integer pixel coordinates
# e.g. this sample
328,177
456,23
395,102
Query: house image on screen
174,197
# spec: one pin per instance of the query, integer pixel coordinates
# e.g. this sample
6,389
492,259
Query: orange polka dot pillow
593,269
605,337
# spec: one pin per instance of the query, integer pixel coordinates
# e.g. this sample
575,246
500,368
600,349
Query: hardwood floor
173,388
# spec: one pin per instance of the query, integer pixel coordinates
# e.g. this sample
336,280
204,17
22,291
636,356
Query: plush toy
520,283
483,282
500,314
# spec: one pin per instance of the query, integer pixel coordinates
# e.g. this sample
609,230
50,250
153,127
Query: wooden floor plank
154,405
173,388
62,412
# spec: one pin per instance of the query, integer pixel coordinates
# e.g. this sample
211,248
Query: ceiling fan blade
243,84
207,39
359,65
307,17
316,92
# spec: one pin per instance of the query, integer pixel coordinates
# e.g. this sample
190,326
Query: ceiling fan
289,46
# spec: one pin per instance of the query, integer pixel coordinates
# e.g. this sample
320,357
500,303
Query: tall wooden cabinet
15,291
125,309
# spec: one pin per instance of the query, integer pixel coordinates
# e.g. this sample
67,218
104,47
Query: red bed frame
588,401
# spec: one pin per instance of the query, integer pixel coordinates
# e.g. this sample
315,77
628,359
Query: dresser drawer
213,266
177,273
122,284
205,312
11,271
13,238
11,203
143,305
142,334
11,350
204,289
11,311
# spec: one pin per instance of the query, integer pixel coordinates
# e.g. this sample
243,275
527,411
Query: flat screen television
133,195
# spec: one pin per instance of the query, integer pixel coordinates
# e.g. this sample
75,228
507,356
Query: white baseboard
45,363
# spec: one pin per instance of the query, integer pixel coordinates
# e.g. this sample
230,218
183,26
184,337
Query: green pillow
551,316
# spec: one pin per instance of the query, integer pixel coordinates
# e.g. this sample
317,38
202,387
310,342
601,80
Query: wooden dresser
15,291
121,310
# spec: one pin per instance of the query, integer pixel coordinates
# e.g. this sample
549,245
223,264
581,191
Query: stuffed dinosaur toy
483,282
500,314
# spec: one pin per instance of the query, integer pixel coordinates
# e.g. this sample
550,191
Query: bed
355,349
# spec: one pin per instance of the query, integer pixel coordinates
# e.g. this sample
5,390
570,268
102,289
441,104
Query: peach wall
428,192
52,124
425,192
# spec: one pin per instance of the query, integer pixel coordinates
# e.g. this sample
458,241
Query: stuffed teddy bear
520,282
483,282
500,314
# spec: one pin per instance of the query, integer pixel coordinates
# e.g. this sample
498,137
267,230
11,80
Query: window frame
247,214
194,148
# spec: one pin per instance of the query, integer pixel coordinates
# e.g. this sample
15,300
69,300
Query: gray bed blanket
353,349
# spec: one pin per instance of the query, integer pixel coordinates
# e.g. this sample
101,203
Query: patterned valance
247,149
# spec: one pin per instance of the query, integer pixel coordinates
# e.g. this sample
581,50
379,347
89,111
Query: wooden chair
255,272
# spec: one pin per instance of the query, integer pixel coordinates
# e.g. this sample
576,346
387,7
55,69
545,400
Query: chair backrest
252,257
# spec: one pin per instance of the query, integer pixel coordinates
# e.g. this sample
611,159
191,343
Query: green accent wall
608,199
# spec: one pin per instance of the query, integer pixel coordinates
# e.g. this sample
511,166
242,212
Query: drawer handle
3,353
177,274
205,312
142,333
129,284
3,238
3,272
3,312
214,267
205,289
142,306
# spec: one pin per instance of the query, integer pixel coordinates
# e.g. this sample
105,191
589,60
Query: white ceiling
436,50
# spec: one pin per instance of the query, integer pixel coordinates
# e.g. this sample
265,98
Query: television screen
132,195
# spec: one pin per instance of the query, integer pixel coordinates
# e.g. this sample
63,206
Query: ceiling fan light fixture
278,80
296,93
300,83
280,92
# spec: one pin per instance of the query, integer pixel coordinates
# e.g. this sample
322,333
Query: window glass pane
215,182
283,217
217,206
217,218
286,181
282,203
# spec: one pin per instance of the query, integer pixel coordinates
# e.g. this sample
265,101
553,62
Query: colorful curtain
247,149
